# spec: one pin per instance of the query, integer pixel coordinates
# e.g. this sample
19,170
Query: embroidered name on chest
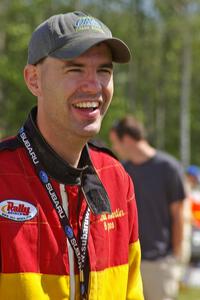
109,219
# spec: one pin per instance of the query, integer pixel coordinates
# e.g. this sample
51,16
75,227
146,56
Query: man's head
193,175
70,71
125,135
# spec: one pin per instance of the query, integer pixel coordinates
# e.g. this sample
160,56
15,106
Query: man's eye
105,70
74,70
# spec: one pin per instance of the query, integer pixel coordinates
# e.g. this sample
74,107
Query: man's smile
87,104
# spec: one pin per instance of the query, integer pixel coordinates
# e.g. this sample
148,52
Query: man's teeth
87,105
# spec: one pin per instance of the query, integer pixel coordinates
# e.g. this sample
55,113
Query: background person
159,190
193,185
65,232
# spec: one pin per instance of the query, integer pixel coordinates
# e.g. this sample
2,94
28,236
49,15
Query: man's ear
128,140
32,79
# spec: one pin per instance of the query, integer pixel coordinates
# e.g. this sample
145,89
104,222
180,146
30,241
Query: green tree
154,86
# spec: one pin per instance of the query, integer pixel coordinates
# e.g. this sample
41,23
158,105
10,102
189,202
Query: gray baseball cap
69,35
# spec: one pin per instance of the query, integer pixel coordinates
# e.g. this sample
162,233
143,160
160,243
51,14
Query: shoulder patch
104,149
10,144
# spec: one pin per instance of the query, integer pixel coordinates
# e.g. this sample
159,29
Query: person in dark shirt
159,189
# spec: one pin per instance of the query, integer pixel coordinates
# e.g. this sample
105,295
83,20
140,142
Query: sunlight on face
75,95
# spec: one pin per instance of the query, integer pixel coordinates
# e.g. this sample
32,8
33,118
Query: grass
187,293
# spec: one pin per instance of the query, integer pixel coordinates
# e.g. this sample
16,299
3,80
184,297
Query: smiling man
79,236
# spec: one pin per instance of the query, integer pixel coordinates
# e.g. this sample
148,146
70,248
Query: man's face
75,95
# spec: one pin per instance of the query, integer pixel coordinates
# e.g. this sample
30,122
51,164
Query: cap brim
120,51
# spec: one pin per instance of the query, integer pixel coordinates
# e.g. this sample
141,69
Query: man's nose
91,84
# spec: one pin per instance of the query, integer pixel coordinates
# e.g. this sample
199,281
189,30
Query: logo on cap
88,23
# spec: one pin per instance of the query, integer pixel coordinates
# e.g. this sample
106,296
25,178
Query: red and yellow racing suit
36,262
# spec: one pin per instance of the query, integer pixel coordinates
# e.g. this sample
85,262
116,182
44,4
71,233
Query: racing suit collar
57,168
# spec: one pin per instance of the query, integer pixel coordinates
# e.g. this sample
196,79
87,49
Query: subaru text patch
17,210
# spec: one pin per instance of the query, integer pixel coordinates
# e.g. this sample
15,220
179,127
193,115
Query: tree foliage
149,87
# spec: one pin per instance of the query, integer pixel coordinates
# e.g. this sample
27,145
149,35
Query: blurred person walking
159,188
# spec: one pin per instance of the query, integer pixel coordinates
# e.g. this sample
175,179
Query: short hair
129,126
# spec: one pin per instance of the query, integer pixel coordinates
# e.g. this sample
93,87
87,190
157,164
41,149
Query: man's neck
142,152
67,146
68,151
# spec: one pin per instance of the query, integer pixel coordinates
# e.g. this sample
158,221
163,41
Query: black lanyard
80,249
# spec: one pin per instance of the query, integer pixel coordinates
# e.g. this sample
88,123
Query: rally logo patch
17,210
